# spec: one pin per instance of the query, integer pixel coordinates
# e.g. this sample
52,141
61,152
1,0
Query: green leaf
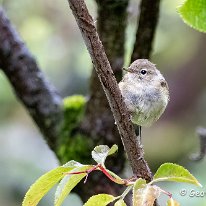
68,183
73,164
140,183
174,172
120,202
113,149
144,194
44,184
100,200
100,153
193,13
172,202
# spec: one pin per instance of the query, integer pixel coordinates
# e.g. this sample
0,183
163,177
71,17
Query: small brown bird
145,92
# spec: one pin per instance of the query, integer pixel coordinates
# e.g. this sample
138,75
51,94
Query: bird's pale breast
145,103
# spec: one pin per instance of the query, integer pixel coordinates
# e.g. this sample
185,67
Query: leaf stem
166,193
81,172
126,191
113,179
101,167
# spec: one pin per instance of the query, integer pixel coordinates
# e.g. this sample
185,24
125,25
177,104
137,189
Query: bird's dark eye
143,71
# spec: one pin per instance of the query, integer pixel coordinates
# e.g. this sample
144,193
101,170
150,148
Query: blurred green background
50,32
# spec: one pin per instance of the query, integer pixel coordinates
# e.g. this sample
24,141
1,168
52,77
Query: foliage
100,153
73,172
44,184
173,172
101,200
172,202
193,13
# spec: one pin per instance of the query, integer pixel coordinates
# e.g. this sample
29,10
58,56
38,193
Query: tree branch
111,25
98,123
110,86
149,13
201,132
31,87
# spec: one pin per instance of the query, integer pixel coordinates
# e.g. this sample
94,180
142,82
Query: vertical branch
110,86
98,122
149,13
111,24
31,87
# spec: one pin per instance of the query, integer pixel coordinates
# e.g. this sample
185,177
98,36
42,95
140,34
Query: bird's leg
140,134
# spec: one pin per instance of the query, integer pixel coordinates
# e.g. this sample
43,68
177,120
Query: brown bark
149,13
99,122
29,83
111,89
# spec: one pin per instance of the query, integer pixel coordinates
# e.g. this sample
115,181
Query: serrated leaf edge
185,20
114,198
172,178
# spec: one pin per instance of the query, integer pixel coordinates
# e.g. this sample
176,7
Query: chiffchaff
145,92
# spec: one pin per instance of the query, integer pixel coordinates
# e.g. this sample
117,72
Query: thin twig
110,86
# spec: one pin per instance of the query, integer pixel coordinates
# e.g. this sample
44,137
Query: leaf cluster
73,172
